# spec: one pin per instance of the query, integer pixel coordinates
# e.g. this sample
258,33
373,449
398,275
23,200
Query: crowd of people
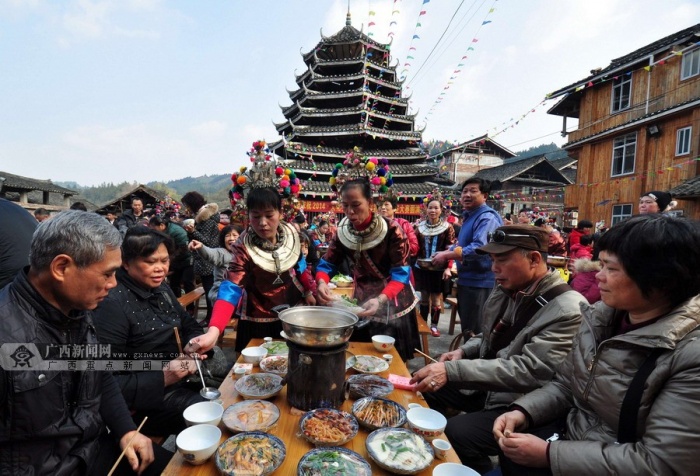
586,365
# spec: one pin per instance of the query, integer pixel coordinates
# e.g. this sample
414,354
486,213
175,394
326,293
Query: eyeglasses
499,236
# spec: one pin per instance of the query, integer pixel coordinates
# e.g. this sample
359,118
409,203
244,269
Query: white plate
369,364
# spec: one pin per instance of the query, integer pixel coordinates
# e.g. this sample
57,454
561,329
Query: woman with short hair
640,344
139,318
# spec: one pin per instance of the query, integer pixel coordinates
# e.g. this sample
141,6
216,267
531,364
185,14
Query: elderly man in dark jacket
529,321
54,421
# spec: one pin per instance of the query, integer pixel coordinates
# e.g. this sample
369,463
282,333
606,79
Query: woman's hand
525,449
430,378
178,369
324,294
203,343
194,245
370,307
446,274
507,423
140,453
310,299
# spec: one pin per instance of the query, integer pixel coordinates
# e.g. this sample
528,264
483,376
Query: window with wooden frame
621,93
624,152
620,212
683,140
690,65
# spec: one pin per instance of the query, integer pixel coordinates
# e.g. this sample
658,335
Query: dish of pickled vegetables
251,454
373,413
328,427
251,415
399,450
276,347
261,386
333,462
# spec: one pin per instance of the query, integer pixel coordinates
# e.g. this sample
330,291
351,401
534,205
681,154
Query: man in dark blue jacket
475,278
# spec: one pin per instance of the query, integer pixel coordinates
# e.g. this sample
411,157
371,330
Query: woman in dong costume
434,234
378,252
268,271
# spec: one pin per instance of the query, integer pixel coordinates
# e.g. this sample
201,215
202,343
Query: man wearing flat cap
529,321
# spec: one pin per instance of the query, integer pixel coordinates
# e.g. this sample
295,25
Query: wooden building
350,95
31,194
150,197
468,158
638,128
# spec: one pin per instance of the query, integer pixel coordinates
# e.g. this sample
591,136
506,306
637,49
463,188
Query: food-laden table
288,425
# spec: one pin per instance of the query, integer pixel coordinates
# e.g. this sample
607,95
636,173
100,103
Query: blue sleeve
230,292
326,267
400,274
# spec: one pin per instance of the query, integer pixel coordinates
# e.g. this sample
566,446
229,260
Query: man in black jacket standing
54,420
130,217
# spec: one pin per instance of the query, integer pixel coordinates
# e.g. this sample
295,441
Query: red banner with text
320,206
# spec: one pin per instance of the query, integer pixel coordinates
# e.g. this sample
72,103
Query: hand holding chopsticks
142,445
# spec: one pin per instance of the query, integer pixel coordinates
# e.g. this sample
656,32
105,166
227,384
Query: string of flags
648,68
458,69
414,36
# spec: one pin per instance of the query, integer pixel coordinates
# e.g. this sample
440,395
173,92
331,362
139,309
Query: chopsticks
130,439
177,338
426,355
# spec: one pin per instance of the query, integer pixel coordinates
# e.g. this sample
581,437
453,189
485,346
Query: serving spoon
210,393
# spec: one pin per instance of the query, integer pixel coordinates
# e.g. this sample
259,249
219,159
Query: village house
637,129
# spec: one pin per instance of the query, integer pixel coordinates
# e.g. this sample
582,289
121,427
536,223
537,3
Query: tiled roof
473,142
20,183
337,152
513,168
396,169
354,129
632,58
688,189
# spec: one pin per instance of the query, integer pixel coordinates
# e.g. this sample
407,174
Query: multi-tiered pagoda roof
350,96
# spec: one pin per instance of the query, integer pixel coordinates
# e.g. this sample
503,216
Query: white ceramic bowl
383,343
197,443
253,355
426,422
453,469
203,413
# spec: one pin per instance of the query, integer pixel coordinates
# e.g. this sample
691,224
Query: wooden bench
192,297
424,332
453,314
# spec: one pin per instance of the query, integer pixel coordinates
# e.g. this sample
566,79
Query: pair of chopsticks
127,445
426,355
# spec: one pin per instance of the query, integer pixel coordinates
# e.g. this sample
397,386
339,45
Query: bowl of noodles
373,413
328,427
250,453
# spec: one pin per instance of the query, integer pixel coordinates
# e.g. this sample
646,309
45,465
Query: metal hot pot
317,342
316,326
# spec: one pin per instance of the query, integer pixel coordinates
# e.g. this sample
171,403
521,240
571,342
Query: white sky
98,91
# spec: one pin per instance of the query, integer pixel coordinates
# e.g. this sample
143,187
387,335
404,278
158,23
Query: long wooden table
288,425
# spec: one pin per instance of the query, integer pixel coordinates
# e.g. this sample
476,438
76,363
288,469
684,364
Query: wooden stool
453,314
424,332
